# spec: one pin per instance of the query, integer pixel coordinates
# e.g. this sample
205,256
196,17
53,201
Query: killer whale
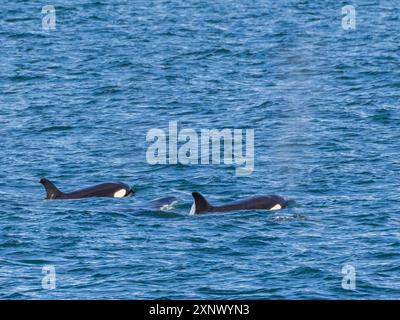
110,189
163,204
272,202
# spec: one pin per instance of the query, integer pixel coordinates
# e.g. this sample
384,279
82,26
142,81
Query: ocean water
77,102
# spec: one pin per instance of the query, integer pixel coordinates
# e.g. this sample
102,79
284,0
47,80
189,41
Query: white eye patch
120,193
276,207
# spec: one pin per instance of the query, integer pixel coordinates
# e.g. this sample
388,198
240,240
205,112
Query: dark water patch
56,128
11,243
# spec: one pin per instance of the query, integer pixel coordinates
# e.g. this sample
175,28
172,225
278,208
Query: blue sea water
77,102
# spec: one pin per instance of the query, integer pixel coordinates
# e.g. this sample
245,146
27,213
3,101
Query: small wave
11,243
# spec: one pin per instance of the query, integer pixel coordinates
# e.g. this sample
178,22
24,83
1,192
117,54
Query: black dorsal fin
51,190
200,203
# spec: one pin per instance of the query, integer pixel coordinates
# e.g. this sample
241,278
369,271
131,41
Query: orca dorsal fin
51,190
200,204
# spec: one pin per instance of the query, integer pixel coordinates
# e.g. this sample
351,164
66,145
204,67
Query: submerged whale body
273,202
110,189
163,204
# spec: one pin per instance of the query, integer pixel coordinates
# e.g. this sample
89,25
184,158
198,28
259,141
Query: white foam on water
167,207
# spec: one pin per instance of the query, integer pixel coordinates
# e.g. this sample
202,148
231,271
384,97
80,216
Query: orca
163,204
110,189
272,202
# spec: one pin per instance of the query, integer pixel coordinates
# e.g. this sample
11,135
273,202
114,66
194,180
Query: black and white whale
109,189
272,202
163,204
